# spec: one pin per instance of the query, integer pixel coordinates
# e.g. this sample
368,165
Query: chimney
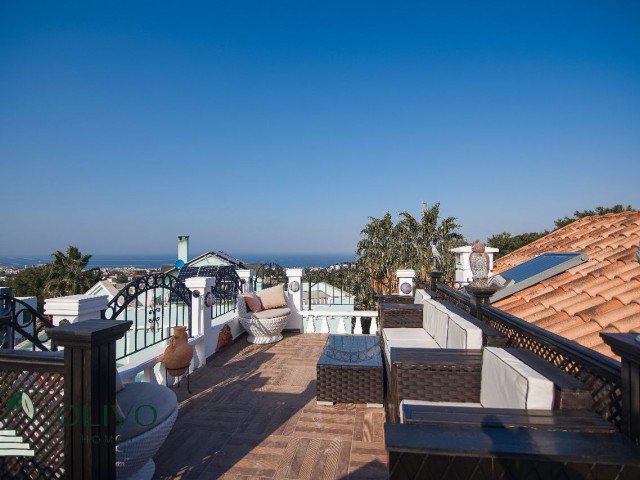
463,267
183,248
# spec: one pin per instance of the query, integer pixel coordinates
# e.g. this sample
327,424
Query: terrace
252,410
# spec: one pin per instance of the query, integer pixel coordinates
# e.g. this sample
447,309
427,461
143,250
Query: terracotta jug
177,356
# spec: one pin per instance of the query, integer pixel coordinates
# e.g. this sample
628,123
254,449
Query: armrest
396,315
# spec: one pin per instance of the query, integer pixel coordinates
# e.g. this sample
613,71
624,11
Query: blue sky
282,126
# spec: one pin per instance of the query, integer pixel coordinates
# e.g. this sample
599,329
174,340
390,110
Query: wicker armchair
265,326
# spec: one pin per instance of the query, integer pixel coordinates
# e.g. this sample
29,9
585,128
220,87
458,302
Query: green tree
69,274
386,246
577,215
30,282
507,243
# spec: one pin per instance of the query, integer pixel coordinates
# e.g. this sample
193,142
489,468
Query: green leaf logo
14,401
21,398
27,405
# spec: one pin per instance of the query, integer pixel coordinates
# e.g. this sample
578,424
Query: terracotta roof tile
585,304
602,294
564,325
555,298
617,288
581,329
548,317
618,314
631,295
589,283
627,324
566,299
559,280
622,254
592,339
527,309
599,310
605,350
532,292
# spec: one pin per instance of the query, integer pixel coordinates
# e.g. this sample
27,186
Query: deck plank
253,415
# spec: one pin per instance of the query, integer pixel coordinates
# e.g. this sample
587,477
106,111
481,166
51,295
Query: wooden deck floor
253,415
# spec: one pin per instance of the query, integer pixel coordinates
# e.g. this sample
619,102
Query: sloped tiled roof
601,295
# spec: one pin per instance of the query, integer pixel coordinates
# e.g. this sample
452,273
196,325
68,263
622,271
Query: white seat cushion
406,338
441,326
507,382
463,334
270,313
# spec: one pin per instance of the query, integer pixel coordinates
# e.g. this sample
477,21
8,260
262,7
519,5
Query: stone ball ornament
406,288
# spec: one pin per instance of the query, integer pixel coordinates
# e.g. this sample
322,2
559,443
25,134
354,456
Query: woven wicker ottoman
350,370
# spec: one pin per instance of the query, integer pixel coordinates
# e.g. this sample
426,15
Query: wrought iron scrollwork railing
600,373
31,405
343,284
268,275
154,303
22,327
226,289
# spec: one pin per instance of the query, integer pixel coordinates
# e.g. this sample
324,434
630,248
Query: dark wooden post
436,276
89,396
627,346
479,296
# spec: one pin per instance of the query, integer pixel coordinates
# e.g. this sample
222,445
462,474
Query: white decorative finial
437,258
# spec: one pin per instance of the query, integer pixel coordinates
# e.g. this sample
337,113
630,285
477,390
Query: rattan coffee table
350,370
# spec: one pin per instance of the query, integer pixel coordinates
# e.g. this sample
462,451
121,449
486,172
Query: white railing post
75,308
201,318
247,277
358,328
405,281
295,298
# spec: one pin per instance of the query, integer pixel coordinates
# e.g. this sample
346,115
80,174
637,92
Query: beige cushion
406,338
463,334
253,301
508,382
273,297
271,313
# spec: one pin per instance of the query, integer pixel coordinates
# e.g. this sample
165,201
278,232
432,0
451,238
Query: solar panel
209,271
537,265
537,269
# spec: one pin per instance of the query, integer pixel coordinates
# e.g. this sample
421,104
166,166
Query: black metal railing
342,284
155,304
31,405
600,373
225,291
269,275
22,327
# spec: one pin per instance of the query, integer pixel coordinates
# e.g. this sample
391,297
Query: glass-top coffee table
350,370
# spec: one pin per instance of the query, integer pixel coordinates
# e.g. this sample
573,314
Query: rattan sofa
505,381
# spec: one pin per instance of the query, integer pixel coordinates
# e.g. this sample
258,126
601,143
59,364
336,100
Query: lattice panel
40,426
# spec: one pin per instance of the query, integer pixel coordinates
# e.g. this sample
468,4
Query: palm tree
386,247
69,275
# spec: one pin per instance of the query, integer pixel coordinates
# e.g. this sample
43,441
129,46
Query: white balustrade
344,321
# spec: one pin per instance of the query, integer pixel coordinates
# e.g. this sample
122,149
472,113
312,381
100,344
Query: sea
144,261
